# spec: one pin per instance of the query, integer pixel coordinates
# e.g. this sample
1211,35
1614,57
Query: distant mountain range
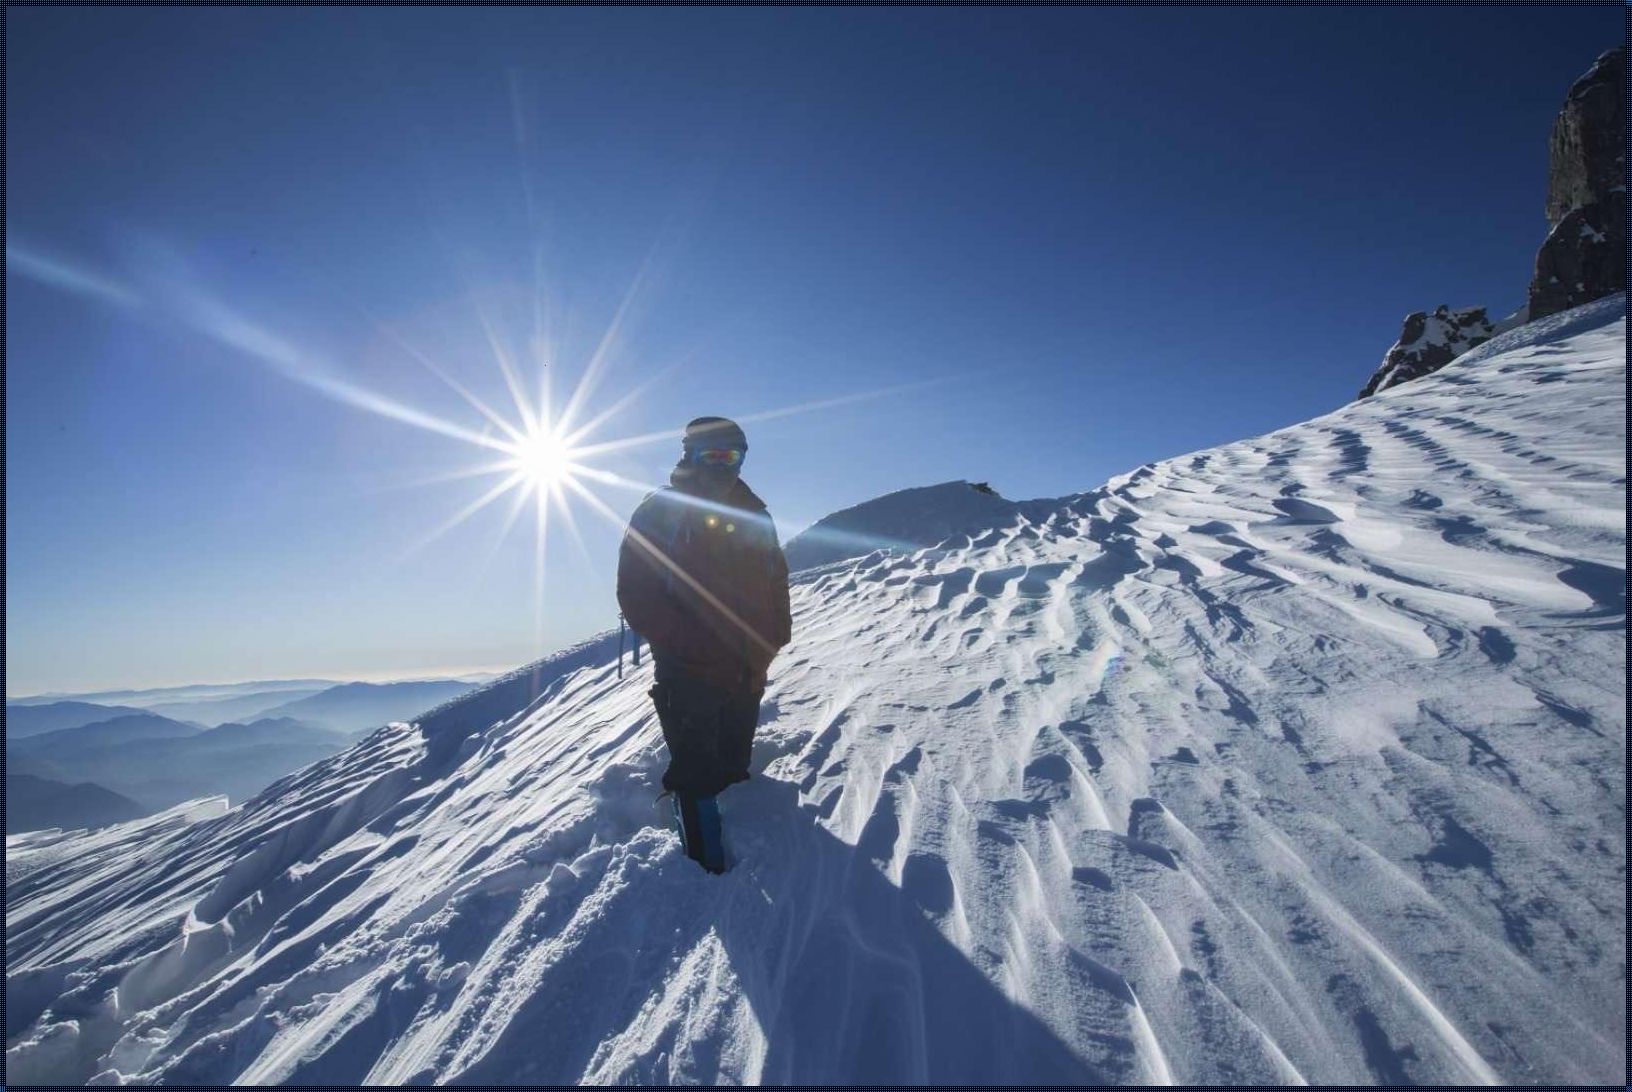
343,706
199,692
67,743
88,764
362,707
158,762
35,803
31,720
241,707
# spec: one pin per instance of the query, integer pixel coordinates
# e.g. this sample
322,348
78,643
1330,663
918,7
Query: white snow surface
907,519
1300,759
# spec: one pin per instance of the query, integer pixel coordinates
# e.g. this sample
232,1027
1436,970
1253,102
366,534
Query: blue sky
1061,242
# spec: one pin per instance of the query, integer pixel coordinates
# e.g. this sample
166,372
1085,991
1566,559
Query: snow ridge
1294,760
907,519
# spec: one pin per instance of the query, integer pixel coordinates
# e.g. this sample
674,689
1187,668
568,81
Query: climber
702,577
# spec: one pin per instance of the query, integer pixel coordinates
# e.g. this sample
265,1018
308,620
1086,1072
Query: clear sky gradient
1048,244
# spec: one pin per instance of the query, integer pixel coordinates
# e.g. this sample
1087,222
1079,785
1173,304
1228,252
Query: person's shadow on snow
851,980
845,975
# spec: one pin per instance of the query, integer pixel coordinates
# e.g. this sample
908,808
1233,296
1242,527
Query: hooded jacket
706,583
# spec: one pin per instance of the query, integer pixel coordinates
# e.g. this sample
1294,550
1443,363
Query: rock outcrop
1584,257
1428,343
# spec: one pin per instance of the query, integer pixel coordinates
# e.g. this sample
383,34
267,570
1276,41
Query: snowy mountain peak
908,519
1294,760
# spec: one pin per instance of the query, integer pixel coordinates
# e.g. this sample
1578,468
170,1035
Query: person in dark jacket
702,577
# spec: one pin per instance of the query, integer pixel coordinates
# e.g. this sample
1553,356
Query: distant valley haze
75,762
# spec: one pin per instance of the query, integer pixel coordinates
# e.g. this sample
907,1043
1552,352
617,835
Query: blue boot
708,822
698,819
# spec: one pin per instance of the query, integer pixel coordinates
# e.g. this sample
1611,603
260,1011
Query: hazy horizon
426,675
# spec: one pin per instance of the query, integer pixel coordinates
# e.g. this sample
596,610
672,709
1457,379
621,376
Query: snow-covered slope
1298,759
904,520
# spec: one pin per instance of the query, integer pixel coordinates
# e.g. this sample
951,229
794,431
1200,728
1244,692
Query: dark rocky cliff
1584,257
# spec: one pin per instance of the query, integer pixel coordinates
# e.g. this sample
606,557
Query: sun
542,458
542,454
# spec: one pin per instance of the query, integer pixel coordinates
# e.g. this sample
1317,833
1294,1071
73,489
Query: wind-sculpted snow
1298,759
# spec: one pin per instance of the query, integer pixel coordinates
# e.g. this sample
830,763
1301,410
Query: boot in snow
698,820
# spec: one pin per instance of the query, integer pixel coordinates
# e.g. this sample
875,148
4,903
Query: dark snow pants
710,733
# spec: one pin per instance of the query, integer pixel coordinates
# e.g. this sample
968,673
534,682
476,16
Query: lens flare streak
543,458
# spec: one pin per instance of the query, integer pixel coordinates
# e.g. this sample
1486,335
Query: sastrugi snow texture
1298,759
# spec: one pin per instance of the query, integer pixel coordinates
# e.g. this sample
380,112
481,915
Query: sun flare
543,458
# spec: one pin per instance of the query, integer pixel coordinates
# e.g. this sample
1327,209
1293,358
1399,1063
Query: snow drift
1298,759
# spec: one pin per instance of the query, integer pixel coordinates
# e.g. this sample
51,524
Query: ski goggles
719,456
